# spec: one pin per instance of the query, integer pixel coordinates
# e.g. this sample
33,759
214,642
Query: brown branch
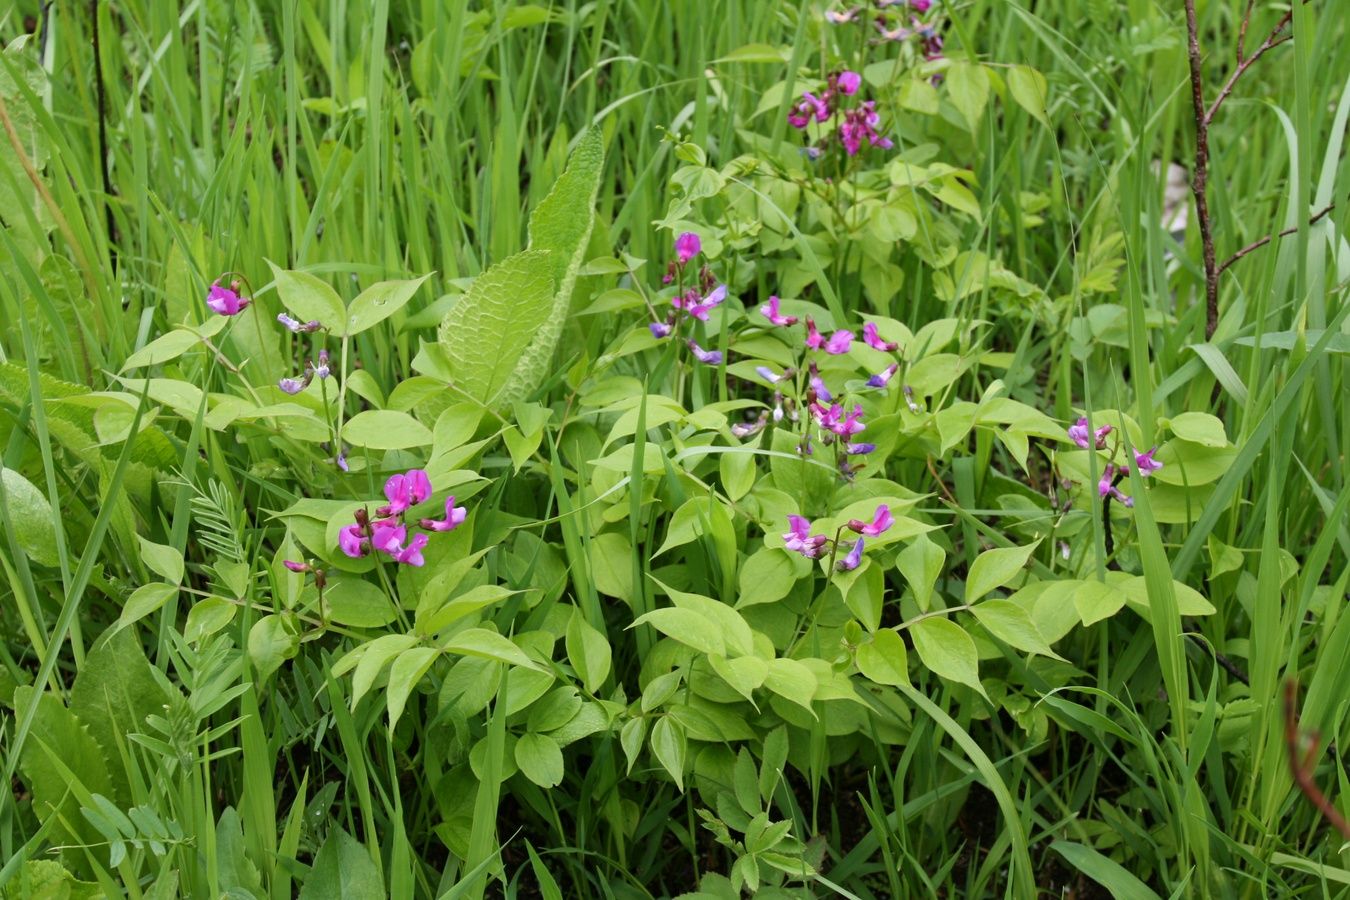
1303,768
1242,31
1200,177
1274,39
1258,244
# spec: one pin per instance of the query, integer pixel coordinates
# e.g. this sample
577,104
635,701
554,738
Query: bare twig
1274,39
1301,765
1258,244
1200,177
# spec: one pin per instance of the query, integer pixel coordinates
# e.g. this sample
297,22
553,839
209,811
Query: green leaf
1029,90
1096,601
207,617
385,429
431,621
166,562
486,333
31,516
588,651
736,634
309,299
58,743
488,644
1201,428
968,85
792,680
766,577
380,301
1103,870
921,564
270,644
540,758
946,649
343,870
561,225
668,743
632,734
144,600
883,659
404,675
1012,624
358,603
995,568
685,626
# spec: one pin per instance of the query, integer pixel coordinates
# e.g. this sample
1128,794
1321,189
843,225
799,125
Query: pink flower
770,311
882,520
295,326
387,536
861,448
292,385
295,566
225,300
808,108
822,392
814,339
851,424
849,82
881,379
1145,463
839,343
454,517
800,540
873,339
1106,485
660,329
827,417
411,555
404,491
352,541
1078,433
920,6
687,246
854,558
701,309
842,18
861,124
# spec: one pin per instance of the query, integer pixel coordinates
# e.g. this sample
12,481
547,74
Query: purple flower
808,108
1078,433
322,371
814,339
851,423
352,541
839,343
295,326
767,374
892,34
404,491
1106,485
342,461
750,429
881,379
225,301
849,82
800,540
387,536
295,566
861,124
827,418
854,558
660,329
859,449
454,517
842,18
822,392
873,340
770,311
701,309
1145,464
920,6
687,246
882,520
707,357
292,385
411,555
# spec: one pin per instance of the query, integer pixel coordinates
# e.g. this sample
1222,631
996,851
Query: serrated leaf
485,334
946,649
380,301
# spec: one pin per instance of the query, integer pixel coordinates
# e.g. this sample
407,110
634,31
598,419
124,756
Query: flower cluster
904,20
388,532
799,539
694,302
1109,483
856,125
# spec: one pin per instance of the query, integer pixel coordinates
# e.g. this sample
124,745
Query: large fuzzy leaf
486,332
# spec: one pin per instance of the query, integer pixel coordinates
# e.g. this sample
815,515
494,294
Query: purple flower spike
770,311
295,566
226,301
874,340
454,517
854,558
352,542
849,82
883,378
859,449
1145,463
291,385
659,329
707,357
411,555
839,343
687,246
882,520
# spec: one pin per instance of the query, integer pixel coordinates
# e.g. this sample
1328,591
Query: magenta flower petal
1078,433
225,301
1145,464
849,82
707,357
388,537
295,566
687,246
883,378
454,517
770,311
839,343
419,486
814,339
411,555
875,341
352,542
